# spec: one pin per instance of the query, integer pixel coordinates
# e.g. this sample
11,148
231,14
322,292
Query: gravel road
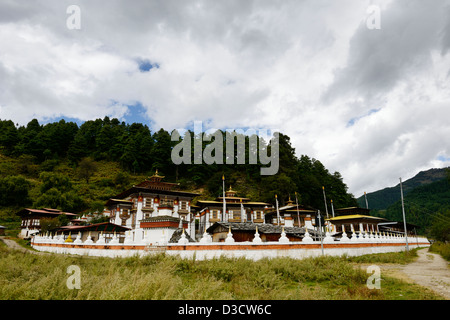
430,270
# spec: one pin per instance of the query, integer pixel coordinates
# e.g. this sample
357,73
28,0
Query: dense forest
426,202
77,168
382,199
427,206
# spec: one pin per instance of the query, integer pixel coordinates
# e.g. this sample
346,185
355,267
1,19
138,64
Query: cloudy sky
366,94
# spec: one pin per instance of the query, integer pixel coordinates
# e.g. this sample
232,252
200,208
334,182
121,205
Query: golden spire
69,238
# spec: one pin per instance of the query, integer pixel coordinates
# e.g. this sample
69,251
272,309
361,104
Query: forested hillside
382,199
427,206
77,168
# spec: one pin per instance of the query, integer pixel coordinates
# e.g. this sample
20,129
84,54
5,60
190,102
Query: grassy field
44,276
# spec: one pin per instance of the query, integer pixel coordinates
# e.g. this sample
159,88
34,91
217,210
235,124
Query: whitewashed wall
249,250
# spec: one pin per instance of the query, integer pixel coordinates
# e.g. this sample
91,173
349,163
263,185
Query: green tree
49,224
68,201
161,153
122,179
51,198
14,191
86,168
440,227
8,136
59,181
57,192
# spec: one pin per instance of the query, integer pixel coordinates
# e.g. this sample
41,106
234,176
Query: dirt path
14,245
430,270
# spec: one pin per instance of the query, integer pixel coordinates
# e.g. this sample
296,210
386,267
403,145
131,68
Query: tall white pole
367,204
404,217
224,209
298,214
332,208
320,230
278,212
325,200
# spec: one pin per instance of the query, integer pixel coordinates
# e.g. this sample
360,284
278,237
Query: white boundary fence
205,249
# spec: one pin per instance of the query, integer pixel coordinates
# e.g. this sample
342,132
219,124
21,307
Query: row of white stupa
361,236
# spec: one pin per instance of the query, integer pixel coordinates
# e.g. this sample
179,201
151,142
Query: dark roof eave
53,212
136,189
104,226
262,228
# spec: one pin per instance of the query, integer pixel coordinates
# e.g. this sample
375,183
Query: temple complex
292,215
153,210
31,219
155,216
237,210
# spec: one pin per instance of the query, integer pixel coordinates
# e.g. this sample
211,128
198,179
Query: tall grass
441,248
402,257
32,276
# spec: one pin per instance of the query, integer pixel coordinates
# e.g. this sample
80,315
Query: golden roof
354,216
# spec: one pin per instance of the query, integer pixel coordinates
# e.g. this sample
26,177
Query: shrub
442,248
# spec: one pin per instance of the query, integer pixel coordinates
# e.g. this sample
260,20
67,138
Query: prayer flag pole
404,218
325,200
278,212
224,209
298,215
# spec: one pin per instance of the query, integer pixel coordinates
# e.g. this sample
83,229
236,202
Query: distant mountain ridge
382,199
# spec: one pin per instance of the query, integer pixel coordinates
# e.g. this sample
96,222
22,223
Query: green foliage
99,219
440,227
402,257
97,206
14,191
382,199
56,191
57,181
425,206
48,224
441,248
86,168
74,166
122,179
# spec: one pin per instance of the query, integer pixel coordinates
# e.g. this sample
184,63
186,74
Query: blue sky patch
352,121
146,65
57,119
443,158
137,113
